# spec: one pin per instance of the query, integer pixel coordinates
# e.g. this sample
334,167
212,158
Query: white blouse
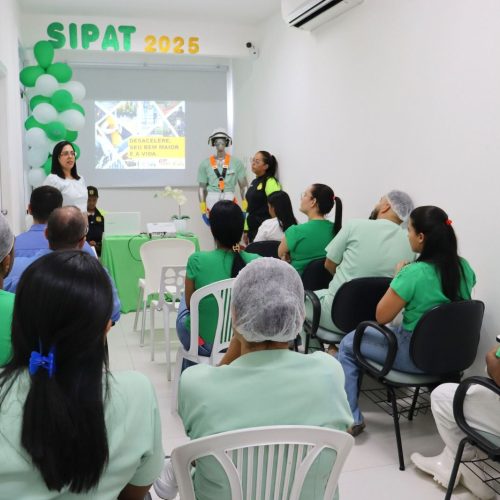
74,192
270,230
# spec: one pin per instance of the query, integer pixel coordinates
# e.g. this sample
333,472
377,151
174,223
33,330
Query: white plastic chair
221,290
171,288
290,450
154,255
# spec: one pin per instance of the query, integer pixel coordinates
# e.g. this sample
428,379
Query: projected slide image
140,135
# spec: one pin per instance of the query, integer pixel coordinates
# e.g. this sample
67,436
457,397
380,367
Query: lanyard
221,175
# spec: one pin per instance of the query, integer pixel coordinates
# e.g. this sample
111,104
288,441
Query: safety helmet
220,133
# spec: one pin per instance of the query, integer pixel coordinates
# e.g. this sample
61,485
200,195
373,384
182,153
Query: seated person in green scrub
438,276
306,242
366,247
266,385
6,298
65,420
205,268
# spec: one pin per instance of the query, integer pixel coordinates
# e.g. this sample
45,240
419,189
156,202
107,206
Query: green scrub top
419,285
6,308
306,242
352,250
260,389
205,268
133,427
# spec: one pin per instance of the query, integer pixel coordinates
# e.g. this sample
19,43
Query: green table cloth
121,257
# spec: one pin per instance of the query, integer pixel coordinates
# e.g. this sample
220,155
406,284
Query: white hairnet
401,203
6,238
268,301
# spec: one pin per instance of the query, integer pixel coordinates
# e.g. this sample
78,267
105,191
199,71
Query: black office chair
488,468
443,345
315,276
354,302
264,248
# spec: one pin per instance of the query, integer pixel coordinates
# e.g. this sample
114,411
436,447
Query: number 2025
176,45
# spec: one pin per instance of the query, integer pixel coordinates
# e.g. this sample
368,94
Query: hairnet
268,301
6,238
401,203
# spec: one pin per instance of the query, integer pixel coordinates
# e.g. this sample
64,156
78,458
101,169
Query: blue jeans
373,347
184,334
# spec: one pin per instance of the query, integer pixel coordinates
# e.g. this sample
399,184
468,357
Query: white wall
11,159
393,94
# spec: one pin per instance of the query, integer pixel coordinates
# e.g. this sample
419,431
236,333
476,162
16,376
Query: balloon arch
56,110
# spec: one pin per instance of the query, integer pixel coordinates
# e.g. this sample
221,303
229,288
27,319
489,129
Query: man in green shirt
6,298
366,248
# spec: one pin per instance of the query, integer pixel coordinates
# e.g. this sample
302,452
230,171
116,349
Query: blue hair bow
37,360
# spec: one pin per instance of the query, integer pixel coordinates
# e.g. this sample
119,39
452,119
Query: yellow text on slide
153,146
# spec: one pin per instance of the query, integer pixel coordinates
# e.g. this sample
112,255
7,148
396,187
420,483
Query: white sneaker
474,484
166,485
439,467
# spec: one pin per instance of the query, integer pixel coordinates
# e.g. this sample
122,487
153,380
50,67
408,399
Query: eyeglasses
256,161
68,153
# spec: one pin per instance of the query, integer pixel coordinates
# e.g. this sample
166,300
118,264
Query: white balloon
46,85
37,137
36,176
72,119
36,157
45,112
76,89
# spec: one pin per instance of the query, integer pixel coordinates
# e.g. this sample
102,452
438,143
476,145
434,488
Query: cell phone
497,354
498,338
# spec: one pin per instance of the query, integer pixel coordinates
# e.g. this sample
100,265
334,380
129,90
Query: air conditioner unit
309,14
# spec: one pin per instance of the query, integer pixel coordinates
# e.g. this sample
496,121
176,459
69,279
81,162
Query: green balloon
61,100
71,135
60,71
77,150
29,75
44,53
47,166
38,99
56,131
31,122
78,107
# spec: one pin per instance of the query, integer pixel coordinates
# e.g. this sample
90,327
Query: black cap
92,191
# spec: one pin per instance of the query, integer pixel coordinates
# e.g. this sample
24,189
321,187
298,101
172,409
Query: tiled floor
371,470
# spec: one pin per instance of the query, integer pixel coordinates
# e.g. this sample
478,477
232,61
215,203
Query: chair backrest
315,276
264,463
221,291
356,301
264,248
171,284
446,338
156,254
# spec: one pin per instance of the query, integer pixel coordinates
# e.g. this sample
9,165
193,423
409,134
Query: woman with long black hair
306,242
64,176
205,268
282,217
438,276
264,166
67,426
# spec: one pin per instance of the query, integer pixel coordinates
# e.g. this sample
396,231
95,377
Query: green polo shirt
419,285
363,248
235,174
306,242
205,268
271,387
6,308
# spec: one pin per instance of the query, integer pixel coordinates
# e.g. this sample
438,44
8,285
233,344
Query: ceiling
235,11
